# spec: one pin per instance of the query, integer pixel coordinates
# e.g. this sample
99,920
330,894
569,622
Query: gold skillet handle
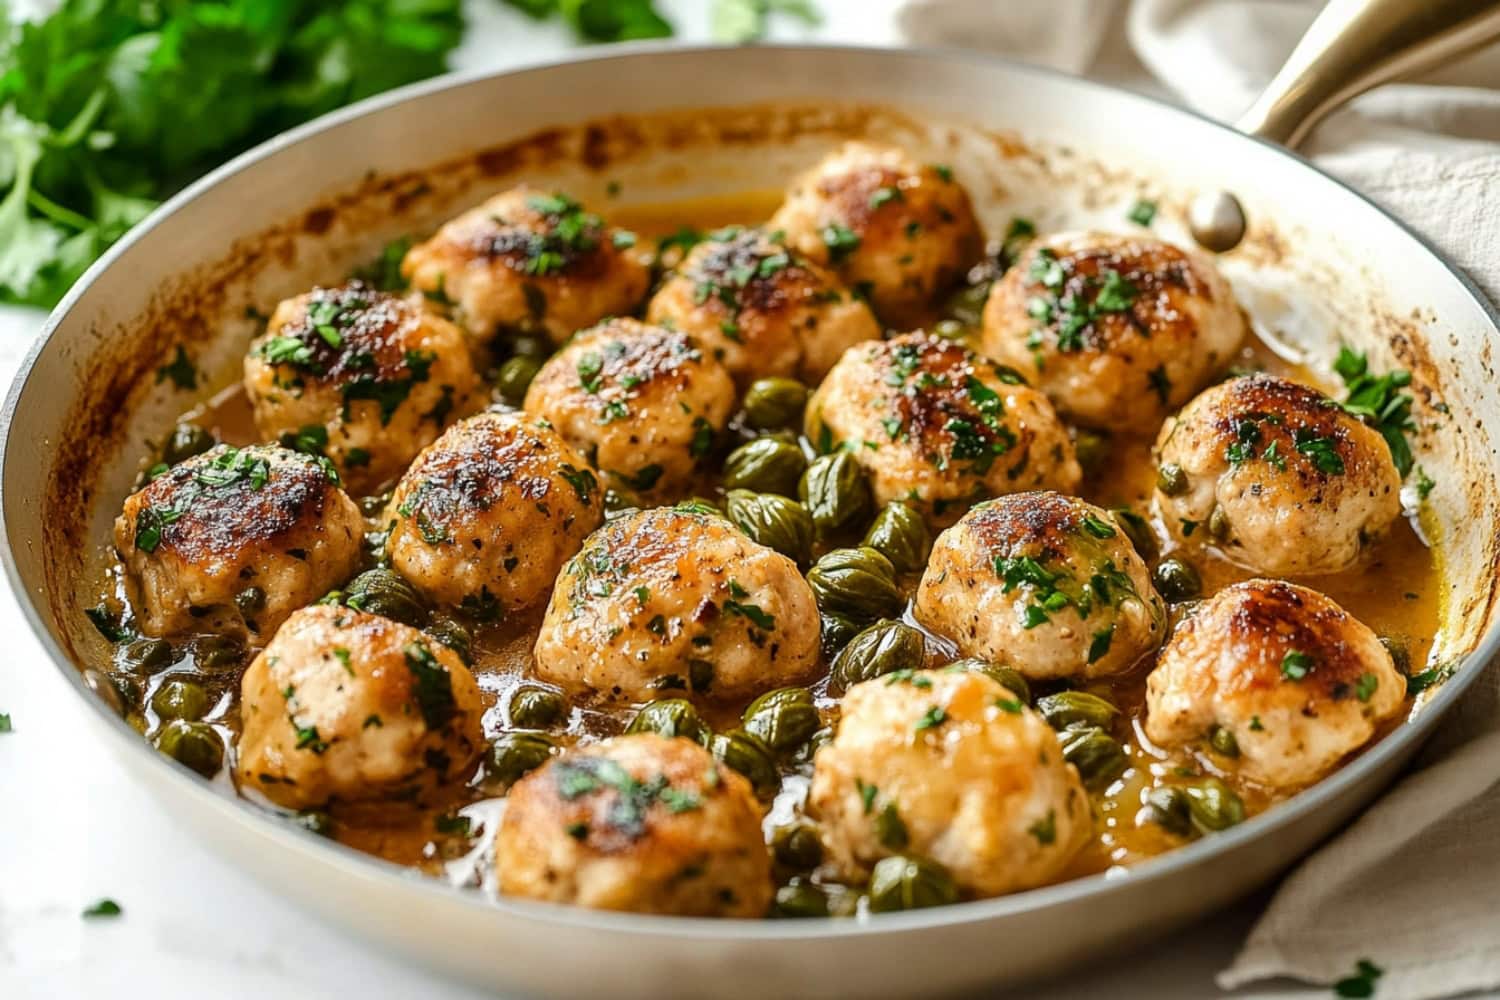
1358,44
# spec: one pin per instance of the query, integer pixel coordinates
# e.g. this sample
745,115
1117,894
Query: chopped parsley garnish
180,370
452,825
1432,677
1010,705
890,828
1365,686
434,686
883,196
935,716
1072,313
906,675
1045,829
1098,527
1424,484
282,350
753,612
867,794
840,240
1320,450
5,726
1379,401
703,438
944,172
1362,983
103,908
1100,644
644,479
1143,212
582,480
1295,664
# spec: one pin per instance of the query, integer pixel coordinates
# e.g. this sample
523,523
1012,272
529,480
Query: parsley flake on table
103,908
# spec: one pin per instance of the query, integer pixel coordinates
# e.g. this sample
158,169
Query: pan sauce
1395,591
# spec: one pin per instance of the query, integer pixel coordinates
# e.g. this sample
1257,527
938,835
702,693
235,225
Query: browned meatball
228,520
636,823
530,261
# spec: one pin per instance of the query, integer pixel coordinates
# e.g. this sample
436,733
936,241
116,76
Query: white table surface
74,828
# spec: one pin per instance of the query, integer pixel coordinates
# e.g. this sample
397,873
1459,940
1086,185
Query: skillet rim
391,878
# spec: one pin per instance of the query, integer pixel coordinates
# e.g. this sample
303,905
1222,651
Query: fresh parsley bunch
107,106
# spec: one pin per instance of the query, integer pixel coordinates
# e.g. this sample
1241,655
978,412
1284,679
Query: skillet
1319,262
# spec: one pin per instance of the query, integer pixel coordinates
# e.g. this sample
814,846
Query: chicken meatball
762,308
1118,331
637,823
529,262
949,766
898,231
234,521
1047,584
349,706
1277,476
669,600
489,512
642,402
368,378
939,427
1290,676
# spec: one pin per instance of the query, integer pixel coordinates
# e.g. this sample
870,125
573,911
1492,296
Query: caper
315,821
900,534
1076,708
859,584
765,465
836,493
800,898
451,633
1138,530
1177,580
1400,652
883,648
1098,756
373,506
535,707
1171,480
1218,525
907,883
251,601
511,755
383,592
145,656
1007,678
1167,807
746,754
1213,805
815,742
774,521
796,845
217,652
106,689
966,306
783,719
186,441
671,717
515,376
195,744
180,699
835,633
950,329
1223,741
1092,450
773,403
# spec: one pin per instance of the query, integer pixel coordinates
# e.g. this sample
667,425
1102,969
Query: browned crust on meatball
1039,521
205,511
745,277
870,200
350,333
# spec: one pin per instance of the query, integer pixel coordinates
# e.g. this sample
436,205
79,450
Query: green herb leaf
1143,212
1295,665
103,908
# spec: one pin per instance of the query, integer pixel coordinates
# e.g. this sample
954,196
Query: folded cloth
1412,884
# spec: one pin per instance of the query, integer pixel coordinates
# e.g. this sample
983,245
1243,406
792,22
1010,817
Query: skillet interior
1328,269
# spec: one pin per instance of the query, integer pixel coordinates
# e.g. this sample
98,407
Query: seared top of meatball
936,402
1289,428
1103,291
353,335
866,188
486,459
215,504
1282,633
627,360
744,269
544,234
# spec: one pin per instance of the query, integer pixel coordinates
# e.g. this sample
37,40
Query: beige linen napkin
1414,883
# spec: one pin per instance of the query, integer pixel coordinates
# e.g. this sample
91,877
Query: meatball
1291,676
229,521
1044,583
489,512
637,823
670,600
939,427
349,706
900,232
1276,475
762,308
1118,331
371,379
530,262
643,403
950,766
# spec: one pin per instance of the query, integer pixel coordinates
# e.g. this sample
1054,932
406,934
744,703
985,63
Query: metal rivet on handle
1217,221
